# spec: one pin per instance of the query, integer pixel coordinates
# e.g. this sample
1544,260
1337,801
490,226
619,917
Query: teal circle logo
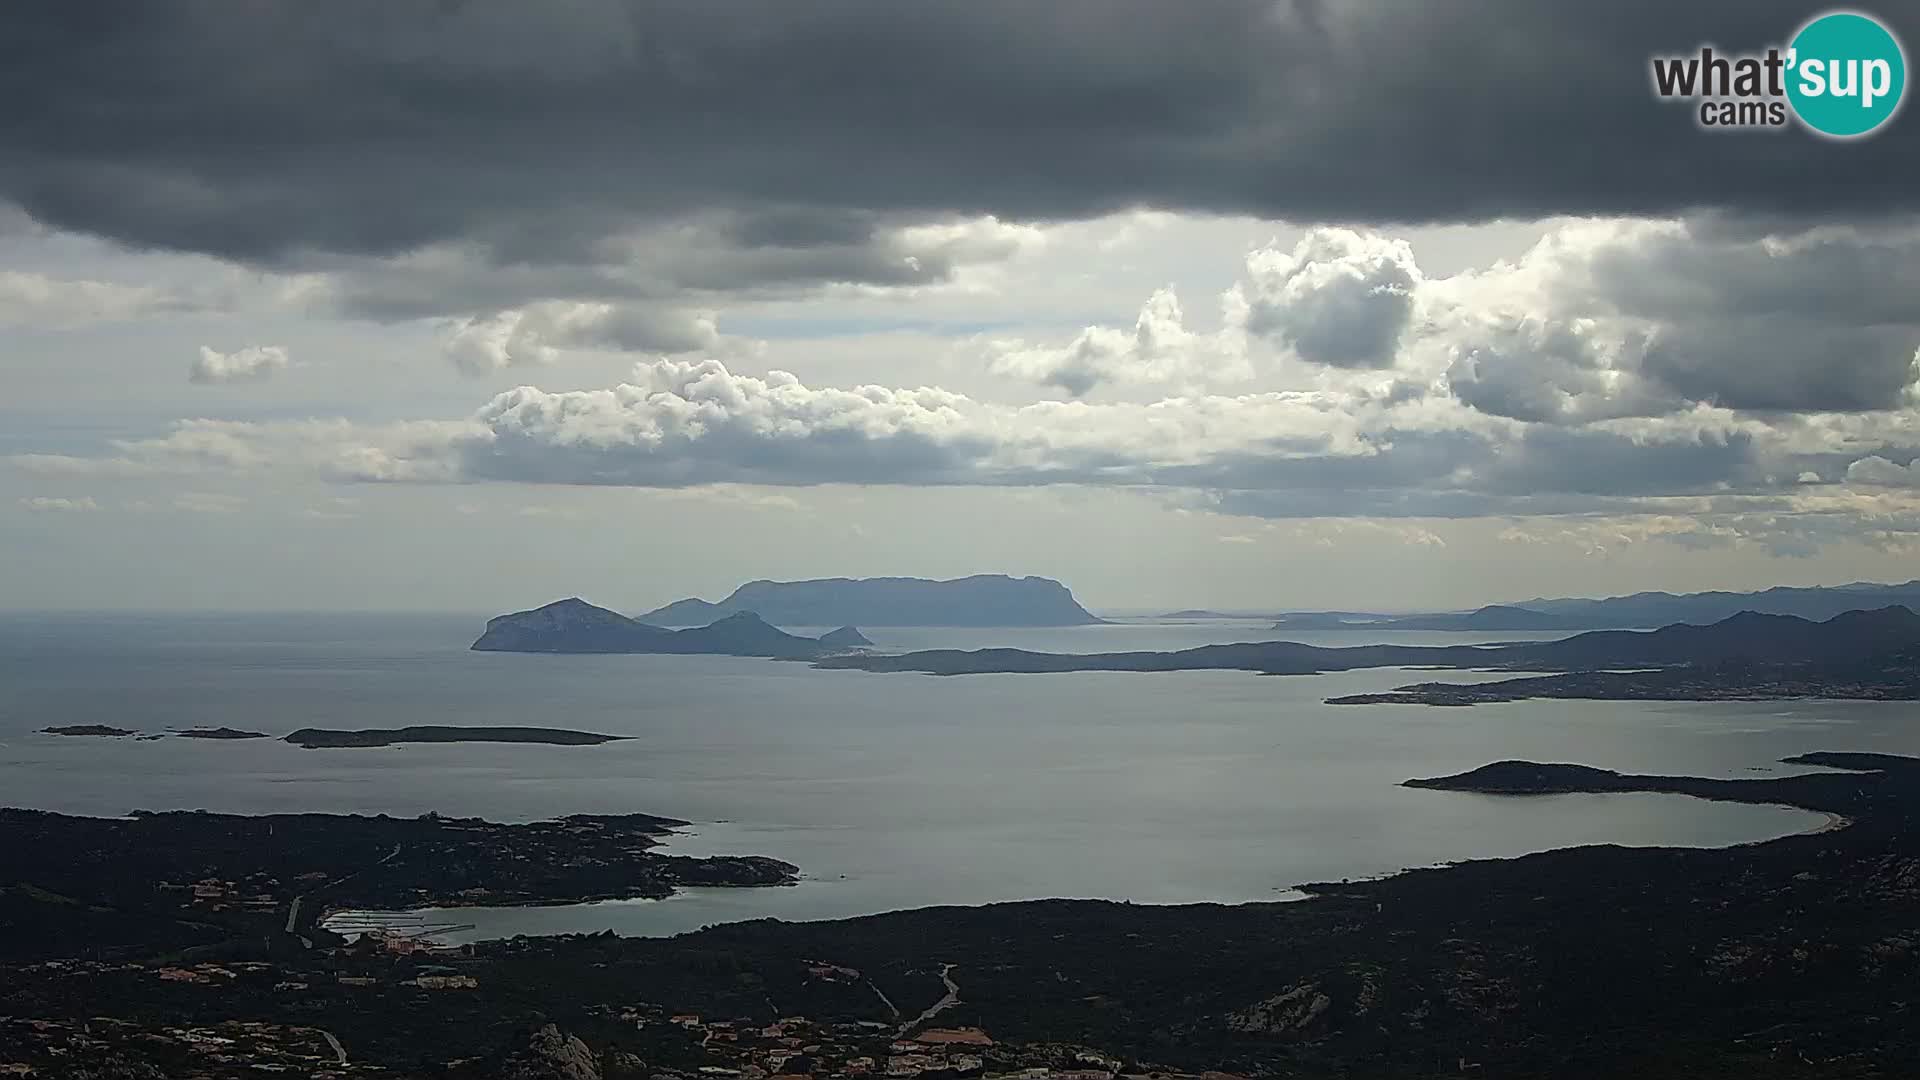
1847,74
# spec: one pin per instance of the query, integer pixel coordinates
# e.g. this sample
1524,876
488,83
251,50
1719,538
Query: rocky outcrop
550,1054
847,637
1291,1012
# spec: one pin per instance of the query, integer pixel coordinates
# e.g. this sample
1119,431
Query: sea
889,791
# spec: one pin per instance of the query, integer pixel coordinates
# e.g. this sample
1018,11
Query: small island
575,626
221,733
329,738
89,730
1858,783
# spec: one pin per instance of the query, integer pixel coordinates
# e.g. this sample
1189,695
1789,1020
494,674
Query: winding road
938,1007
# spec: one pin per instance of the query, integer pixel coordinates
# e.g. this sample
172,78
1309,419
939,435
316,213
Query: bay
889,791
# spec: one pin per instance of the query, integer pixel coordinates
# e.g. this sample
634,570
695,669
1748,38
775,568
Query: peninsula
980,600
175,880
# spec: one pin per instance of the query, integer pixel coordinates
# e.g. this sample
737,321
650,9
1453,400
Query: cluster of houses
89,1048
795,1048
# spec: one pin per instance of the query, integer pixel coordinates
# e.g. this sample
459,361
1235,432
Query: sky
1310,304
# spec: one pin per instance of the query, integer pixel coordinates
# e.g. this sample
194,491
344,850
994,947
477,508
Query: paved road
935,1009
892,1009
293,909
338,1050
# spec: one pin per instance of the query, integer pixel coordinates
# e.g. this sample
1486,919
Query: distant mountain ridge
1749,637
980,600
1663,608
1638,610
575,626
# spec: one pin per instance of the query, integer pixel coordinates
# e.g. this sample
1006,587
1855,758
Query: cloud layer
537,133
1612,366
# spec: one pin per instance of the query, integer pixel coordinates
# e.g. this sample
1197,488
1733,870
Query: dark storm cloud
1598,462
1455,474
1769,364
1634,318
267,130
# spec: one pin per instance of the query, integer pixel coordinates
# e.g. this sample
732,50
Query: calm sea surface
889,791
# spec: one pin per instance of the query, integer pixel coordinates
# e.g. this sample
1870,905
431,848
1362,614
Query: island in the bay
575,626
326,738
189,945
747,622
332,738
979,600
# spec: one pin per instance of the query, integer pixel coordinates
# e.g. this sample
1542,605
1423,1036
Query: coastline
1427,964
1834,823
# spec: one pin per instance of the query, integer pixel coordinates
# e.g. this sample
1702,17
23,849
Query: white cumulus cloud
1876,471
241,365
535,335
1342,298
1157,349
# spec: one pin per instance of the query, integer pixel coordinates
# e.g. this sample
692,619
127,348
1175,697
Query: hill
1747,636
847,637
575,626
980,600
